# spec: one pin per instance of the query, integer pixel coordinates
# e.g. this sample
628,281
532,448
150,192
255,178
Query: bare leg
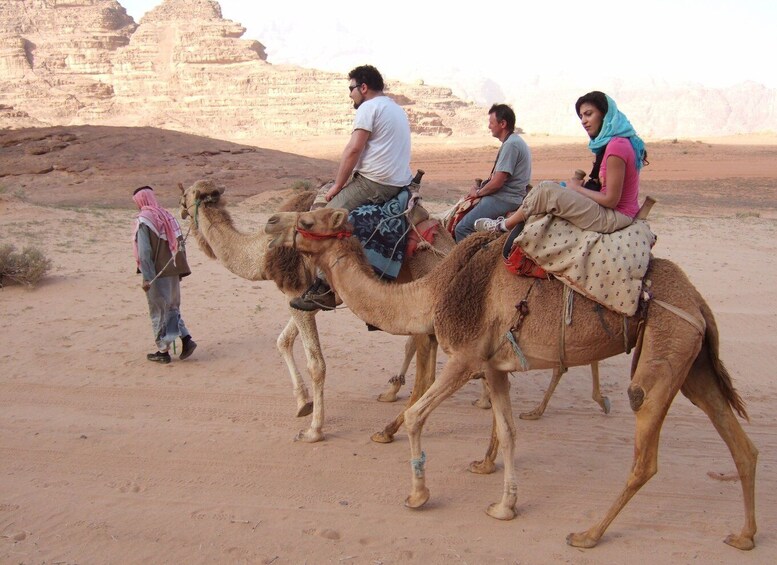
426,366
657,379
396,382
453,376
306,322
540,408
704,392
285,344
505,428
596,392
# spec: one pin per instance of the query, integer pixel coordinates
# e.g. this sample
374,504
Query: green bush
27,267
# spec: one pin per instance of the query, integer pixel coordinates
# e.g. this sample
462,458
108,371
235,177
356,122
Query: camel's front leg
505,428
452,378
285,344
426,365
396,382
306,322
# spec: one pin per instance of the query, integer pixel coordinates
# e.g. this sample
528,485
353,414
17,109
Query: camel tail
712,342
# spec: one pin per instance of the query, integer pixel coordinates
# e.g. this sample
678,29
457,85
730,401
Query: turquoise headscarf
616,124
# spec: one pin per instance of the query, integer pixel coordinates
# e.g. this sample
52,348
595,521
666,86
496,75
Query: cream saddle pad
607,268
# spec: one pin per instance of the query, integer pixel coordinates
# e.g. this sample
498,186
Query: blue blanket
382,230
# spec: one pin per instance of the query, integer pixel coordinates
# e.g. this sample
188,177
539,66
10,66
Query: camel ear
221,189
338,219
180,185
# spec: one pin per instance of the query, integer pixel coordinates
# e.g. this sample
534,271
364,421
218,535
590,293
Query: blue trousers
488,207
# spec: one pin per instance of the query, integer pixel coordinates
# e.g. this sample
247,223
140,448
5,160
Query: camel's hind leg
396,382
703,390
285,345
426,365
596,394
484,401
306,322
656,381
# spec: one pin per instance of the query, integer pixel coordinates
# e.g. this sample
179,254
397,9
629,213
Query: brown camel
248,256
469,301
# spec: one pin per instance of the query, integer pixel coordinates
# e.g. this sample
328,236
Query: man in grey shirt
505,189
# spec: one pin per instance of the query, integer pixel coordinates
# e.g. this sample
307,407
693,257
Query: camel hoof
533,415
484,467
382,437
388,396
501,512
606,405
745,543
480,403
305,410
581,540
309,436
417,500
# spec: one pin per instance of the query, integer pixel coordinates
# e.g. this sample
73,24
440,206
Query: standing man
374,166
161,259
509,178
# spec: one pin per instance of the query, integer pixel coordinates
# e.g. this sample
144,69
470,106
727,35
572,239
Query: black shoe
318,297
189,345
159,357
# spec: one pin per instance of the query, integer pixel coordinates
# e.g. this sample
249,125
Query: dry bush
27,267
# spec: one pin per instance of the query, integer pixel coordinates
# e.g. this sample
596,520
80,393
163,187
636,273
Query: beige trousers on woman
552,198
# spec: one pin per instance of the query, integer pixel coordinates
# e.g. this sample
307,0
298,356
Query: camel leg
702,389
484,401
656,381
396,382
499,385
596,393
540,408
426,365
306,322
487,465
453,376
285,345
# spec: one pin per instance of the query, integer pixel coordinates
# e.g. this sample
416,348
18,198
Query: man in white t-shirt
374,166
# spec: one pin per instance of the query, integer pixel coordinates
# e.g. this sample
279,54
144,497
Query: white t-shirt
386,157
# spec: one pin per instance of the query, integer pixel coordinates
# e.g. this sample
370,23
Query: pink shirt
621,147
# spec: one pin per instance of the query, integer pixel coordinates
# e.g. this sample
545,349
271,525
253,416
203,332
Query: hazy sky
514,42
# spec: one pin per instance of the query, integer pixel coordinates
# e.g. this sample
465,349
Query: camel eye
307,224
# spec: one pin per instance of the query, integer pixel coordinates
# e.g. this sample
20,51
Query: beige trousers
552,198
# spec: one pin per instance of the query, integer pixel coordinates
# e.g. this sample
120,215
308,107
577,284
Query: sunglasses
352,86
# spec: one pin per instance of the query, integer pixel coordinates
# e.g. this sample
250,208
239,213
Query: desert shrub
302,185
27,267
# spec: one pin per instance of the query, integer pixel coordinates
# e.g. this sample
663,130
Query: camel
248,256
469,303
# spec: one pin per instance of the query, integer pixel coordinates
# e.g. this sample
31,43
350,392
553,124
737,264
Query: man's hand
145,285
332,192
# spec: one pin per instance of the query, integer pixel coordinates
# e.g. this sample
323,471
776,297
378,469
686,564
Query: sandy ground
107,458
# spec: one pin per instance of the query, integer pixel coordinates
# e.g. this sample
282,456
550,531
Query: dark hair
504,112
369,75
141,188
596,99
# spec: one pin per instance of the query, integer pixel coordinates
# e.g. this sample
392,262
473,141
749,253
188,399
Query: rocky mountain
184,67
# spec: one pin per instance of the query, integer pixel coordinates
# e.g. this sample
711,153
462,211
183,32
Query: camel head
202,192
307,231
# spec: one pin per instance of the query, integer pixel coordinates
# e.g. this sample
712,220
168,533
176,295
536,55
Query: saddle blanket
382,231
607,268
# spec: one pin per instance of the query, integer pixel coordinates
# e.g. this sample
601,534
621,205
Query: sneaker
189,345
487,224
318,297
159,357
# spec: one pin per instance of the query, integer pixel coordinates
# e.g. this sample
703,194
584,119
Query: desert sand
107,458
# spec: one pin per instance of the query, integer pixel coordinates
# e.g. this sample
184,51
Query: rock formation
184,68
